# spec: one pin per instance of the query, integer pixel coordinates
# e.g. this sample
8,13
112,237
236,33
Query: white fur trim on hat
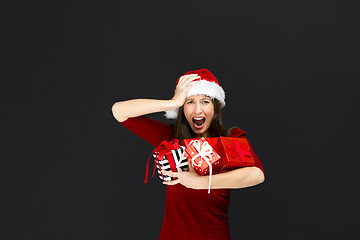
205,87
171,114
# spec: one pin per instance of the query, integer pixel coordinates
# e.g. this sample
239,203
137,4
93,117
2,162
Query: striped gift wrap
173,160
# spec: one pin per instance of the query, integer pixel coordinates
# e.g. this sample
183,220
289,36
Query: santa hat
208,86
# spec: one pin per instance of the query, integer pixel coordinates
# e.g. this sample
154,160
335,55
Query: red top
189,213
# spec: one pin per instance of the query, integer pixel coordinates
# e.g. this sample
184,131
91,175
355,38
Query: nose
198,108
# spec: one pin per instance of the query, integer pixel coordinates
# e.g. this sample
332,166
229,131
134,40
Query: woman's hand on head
190,179
183,86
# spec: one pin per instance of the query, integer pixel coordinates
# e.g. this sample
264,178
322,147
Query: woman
190,212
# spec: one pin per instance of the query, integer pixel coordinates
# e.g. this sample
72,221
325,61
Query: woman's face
199,111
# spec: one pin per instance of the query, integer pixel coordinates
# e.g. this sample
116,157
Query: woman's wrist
175,104
204,182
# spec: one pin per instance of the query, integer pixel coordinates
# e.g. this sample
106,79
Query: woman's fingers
186,79
190,79
182,79
171,174
173,182
183,86
191,168
189,82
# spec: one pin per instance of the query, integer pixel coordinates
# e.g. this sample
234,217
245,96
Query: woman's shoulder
150,129
236,132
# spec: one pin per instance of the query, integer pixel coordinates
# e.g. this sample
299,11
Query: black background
69,170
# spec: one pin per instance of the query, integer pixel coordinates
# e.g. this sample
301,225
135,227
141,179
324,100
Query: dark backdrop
69,170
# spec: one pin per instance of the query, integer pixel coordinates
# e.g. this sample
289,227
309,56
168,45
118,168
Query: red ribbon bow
241,150
162,149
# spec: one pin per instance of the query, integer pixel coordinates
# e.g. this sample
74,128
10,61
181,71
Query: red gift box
235,152
201,155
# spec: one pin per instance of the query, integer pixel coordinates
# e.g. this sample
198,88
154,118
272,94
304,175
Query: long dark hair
182,129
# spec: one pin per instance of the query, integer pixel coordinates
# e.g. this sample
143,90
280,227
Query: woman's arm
238,178
138,107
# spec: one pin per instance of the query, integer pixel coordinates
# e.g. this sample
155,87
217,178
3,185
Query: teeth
198,118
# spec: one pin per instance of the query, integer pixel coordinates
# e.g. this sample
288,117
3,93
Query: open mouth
198,122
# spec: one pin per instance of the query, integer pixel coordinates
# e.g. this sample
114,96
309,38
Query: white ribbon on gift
205,152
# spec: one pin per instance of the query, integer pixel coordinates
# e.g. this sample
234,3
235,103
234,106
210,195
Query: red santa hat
208,86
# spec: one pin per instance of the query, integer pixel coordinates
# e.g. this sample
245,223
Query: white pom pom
171,114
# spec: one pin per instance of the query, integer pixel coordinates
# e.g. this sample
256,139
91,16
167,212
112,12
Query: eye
206,102
190,102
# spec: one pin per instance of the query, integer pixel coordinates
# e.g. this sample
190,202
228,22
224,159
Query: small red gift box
235,152
201,155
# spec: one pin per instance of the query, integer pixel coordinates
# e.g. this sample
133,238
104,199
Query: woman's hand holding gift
191,179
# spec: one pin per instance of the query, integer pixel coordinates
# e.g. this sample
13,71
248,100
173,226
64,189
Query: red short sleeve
149,129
